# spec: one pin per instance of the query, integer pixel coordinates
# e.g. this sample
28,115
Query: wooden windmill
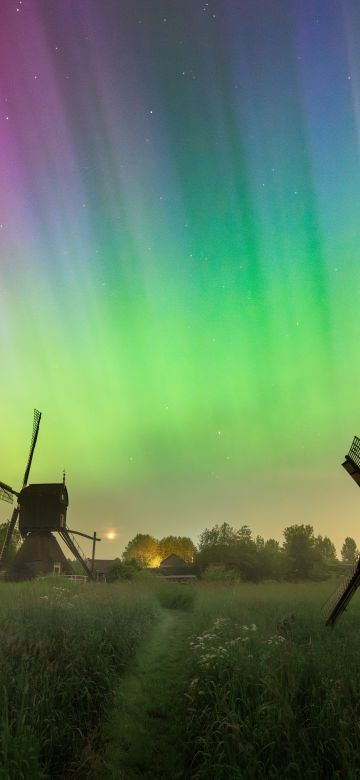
339,600
40,511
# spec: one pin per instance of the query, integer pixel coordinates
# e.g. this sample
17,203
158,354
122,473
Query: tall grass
62,648
263,688
271,695
173,596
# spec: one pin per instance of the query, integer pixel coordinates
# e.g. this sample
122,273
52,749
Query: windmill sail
339,600
6,492
8,536
341,597
35,433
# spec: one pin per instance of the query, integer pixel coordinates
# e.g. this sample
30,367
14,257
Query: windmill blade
352,461
35,432
6,496
8,536
6,493
341,597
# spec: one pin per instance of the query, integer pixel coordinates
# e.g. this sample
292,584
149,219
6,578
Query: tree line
224,550
227,551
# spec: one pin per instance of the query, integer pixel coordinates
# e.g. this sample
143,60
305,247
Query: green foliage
349,551
301,550
144,549
172,596
122,570
223,536
301,557
75,566
326,549
147,551
177,545
15,540
220,574
62,648
236,552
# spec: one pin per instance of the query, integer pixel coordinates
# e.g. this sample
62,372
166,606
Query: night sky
179,280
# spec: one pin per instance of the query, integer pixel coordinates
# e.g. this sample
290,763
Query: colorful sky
179,249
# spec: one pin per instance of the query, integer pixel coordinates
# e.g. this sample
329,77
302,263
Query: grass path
145,733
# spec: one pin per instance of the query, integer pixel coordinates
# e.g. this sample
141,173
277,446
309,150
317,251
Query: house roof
103,565
173,560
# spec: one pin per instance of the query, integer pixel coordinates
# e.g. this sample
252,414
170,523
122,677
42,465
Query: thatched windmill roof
37,555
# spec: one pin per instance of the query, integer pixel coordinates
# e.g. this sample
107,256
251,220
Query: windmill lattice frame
339,600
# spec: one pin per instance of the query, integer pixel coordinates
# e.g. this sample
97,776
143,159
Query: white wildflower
220,621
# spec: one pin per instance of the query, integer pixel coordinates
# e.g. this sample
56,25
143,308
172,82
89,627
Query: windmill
40,511
339,600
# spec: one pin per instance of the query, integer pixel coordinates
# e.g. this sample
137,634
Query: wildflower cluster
62,595
277,639
214,645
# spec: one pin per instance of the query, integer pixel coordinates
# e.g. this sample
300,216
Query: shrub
172,596
220,574
121,570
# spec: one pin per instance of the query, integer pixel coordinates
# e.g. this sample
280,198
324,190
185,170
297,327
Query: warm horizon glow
179,280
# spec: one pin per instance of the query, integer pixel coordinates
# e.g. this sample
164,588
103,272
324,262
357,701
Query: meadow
218,681
274,693
62,649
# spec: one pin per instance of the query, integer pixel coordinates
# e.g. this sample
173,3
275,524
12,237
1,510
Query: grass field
268,699
62,649
206,681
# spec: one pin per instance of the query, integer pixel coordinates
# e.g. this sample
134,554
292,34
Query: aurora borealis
179,280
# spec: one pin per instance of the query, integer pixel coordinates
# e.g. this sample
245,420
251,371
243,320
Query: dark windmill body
41,512
339,600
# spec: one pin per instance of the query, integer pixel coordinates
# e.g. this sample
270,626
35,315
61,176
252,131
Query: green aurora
180,273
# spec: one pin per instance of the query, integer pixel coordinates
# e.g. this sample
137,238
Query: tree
349,552
121,570
272,544
260,543
230,547
144,549
272,562
224,534
326,549
177,545
300,549
15,540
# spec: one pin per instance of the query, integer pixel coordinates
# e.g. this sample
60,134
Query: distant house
102,568
175,568
171,561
